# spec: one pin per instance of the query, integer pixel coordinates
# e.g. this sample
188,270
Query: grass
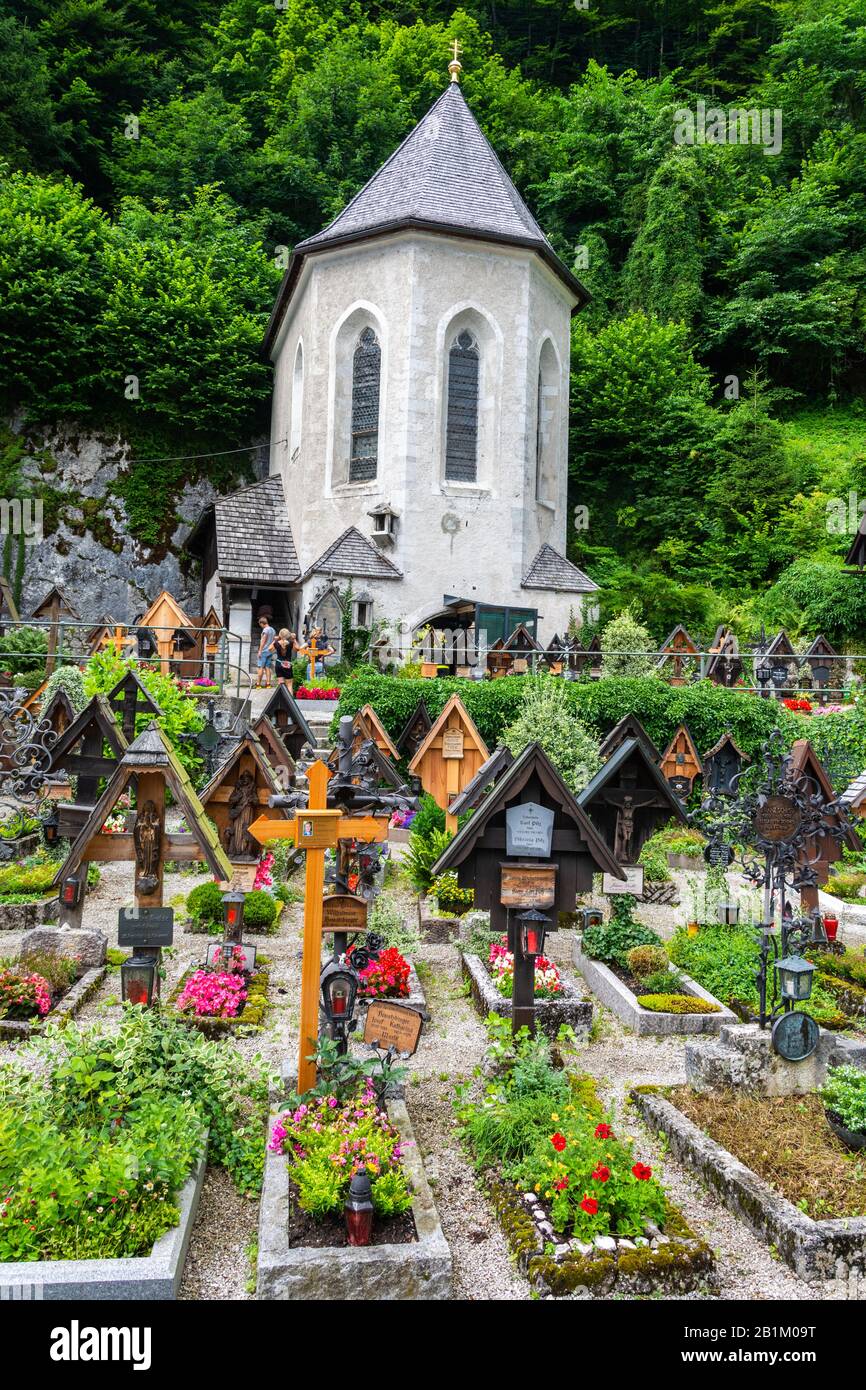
786,1140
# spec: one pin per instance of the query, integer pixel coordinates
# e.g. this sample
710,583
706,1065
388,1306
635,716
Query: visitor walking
265,658
285,647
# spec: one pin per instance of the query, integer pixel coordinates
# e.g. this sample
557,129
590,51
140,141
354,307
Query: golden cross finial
455,67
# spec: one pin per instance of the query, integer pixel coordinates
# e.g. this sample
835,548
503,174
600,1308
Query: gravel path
218,1266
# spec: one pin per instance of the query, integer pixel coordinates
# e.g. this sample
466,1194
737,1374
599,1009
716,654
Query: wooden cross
118,641
313,651
314,830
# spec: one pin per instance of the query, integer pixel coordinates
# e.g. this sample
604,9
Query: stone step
711,1066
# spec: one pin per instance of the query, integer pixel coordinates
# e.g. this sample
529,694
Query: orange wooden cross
118,641
313,651
314,830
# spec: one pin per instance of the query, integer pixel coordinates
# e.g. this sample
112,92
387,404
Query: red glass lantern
831,926
359,1210
533,925
339,986
138,980
70,893
233,910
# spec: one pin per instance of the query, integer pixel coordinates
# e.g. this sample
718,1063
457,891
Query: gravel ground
218,1266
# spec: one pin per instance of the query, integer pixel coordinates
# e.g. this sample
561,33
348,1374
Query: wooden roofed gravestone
152,765
59,712
820,851
278,754
722,764
368,725
414,730
129,699
528,846
826,665
449,757
679,650
629,727
171,627
283,712
238,794
88,749
54,606
681,762
725,666
628,799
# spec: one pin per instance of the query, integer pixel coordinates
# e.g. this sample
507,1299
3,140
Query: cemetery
415,986
432,705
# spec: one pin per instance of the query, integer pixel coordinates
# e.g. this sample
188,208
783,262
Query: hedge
707,709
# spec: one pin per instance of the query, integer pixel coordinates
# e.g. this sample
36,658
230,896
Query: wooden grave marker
451,754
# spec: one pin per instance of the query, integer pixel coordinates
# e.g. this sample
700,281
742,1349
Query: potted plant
844,1097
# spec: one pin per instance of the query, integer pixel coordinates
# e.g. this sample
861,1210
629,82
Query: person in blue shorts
265,658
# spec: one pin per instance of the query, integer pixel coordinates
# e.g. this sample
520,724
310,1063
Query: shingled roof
445,177
550,570
254,540
351,554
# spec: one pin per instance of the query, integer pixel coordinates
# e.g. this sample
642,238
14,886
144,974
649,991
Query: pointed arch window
366,370
461,441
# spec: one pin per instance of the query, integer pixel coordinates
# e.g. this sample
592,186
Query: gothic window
461,441
366,365
297,404
547,427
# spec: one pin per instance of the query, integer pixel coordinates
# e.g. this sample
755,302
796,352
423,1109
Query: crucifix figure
243,807
147,838
624,830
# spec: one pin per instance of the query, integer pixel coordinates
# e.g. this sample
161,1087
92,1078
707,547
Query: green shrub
847,885
722,959
627,648
676,1004
643,960
260,911
23,649
70,679
654,859
547,717
423,853
449,896
613,940
845,1093
388,920
662,982
428,818
18,823
205,903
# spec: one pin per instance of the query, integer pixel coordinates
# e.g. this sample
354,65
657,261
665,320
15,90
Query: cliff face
87,543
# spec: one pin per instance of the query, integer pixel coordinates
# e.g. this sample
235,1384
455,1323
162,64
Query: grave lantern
533,925
339,986
592,917
359,1210
138,980
819,935
51,827
728,912
233,914
70,892
795,977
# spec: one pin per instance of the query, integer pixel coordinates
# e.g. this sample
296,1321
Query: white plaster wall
416,290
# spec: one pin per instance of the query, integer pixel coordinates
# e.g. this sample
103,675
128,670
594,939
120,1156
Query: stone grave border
19,1029
566,1008
616,996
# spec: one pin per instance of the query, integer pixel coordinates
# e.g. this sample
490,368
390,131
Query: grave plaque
343,912
529,830
777,819
632,882
392,1025
452,743
249,953
718,854
145,926
528,885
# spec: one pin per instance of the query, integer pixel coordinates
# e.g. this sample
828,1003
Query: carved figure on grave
147,838
624,830
242,809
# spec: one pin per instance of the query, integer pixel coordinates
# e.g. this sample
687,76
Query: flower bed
317,692
692,1010
386,977
417,1268
831,1248
581,1213
217,1002
500,965
567,1006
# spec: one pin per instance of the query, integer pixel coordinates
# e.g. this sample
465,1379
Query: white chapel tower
421,353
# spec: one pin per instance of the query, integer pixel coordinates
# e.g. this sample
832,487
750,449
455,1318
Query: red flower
558,1141
642,1172
590,1206
561,1185
603,1132
602,1173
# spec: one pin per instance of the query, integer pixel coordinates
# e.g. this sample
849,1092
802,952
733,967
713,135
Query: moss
676,1004
252,1016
